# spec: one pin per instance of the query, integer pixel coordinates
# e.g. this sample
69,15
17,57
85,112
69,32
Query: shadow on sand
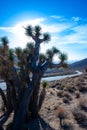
38,124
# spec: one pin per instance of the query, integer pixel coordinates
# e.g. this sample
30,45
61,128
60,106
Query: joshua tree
51,52
23,94
63,57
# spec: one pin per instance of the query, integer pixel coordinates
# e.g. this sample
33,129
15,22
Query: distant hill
82,64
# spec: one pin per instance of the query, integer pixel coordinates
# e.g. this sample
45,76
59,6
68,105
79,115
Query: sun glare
18,30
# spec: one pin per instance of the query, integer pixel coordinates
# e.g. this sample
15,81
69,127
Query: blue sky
65,20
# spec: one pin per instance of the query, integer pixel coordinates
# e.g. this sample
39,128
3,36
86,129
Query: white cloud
5,29
76,19
59,37
56,28
17,32
56,16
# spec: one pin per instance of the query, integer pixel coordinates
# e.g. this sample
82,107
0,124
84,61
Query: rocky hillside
82,64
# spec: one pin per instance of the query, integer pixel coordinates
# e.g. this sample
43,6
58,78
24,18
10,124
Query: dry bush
71,90
83,104
68,126
77,94
66,94
80,117
60,93
51,91
61,114
61,87
71,87
82,88
66,100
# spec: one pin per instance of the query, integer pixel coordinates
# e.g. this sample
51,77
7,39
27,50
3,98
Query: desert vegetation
23,97
64,109
29,104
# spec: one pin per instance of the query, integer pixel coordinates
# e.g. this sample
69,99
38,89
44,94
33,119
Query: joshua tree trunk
33,106
19,120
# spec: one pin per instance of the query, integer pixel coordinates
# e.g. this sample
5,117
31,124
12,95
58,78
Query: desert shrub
51,91
58,83
68,126
82,88
53,86
80,117
61,114
60,93
77,94
70,88
65,89
66,100
83,104
66,94
61,87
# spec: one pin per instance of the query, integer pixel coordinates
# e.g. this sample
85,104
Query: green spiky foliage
44,83
4,41
29,30
63,59
37,31
46,37
4,45
55,50
30,45
51,52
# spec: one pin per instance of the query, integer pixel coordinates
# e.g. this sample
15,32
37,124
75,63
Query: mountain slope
82,64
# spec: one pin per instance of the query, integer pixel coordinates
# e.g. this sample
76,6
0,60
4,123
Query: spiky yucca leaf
44,83
49,53
46,37
63,57
4,41
29,30
37,30
55,50
30,45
